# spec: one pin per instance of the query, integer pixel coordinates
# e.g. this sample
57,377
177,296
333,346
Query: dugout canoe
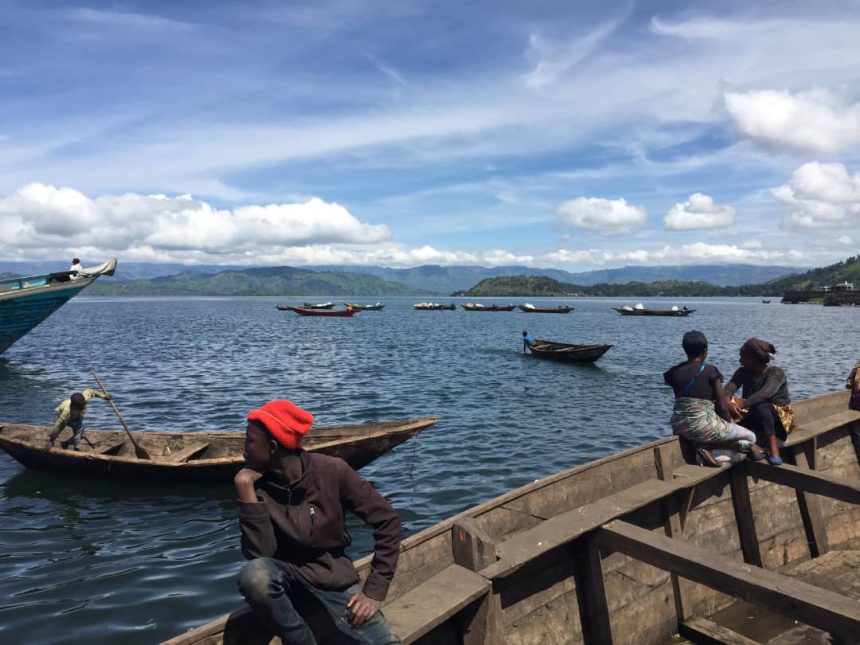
433,306
319,305
606,551
320,313
191,456
377,307
567,353
531,309
479,307
676,313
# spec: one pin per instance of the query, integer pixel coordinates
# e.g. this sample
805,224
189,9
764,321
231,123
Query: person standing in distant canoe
528,341
76,271
71,413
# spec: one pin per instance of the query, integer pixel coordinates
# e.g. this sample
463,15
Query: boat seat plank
107,447
706,632
811,429
181,456
434,601
794,598
522,547
802,479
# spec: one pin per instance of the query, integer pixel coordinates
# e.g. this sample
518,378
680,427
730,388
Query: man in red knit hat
291,514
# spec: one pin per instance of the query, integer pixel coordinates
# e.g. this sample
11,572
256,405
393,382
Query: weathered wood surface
812,605
806,480
703,631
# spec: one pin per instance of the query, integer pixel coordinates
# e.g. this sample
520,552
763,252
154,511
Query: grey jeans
270,587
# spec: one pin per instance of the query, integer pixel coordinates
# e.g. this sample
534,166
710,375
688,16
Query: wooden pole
139,450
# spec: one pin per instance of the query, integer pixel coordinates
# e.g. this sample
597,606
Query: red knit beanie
285,421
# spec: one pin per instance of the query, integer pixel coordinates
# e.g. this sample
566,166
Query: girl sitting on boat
766,406
702,411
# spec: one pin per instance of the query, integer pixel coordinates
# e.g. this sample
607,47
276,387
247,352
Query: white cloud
845,240
606,216
809,122
699,212
694,253
821,195
40,216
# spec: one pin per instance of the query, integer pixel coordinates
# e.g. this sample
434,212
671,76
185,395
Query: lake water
95,561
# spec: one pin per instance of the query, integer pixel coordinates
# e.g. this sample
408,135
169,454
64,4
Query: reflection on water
88,560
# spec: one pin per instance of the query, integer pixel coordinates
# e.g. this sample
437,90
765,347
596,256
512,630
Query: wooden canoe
479,307
322,313
190,456
377,307
653,312
586,554
321,305
432,306
561,309
567,353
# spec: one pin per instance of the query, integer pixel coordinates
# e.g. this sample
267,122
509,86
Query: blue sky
572,135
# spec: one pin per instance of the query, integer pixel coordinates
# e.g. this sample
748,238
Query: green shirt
66,415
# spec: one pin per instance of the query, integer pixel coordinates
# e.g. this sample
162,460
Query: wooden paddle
139,451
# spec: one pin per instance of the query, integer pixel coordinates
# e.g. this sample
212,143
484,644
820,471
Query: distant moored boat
639,310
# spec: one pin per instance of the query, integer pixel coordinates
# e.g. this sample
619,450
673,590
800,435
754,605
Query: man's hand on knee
362,607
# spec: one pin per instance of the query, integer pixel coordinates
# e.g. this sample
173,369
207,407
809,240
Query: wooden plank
744,518
433,602
706,632
591,594
471,546
519,549
105,448
809,481
673,529
822,425
812,605
810,507
181,456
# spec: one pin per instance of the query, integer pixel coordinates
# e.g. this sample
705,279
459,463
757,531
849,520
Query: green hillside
537,286
816,278
270,281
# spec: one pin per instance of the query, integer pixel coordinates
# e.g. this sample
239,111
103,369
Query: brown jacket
302,523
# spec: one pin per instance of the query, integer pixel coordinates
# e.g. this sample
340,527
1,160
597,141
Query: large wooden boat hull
566,353
191,456
584,555
23,307
319,313
674,313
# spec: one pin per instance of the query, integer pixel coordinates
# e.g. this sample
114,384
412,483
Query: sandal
774,460
704,457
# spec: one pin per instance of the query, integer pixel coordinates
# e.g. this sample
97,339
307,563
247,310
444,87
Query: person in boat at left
702,410
75,272
71,413
528,340
292,506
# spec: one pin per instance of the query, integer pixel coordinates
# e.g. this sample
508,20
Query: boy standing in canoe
71,413
291,513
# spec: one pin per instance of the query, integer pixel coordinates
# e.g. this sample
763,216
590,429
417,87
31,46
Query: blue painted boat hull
22,313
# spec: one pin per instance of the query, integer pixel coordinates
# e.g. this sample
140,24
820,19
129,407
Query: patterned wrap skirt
698,421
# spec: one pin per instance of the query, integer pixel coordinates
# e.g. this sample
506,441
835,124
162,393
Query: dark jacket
303,524
770,387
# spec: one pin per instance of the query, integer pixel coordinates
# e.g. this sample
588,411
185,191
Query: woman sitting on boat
766,406
702,411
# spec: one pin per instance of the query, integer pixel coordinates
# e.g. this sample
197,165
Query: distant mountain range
144,279
431,279
269,281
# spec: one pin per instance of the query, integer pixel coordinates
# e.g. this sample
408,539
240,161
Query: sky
572,135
